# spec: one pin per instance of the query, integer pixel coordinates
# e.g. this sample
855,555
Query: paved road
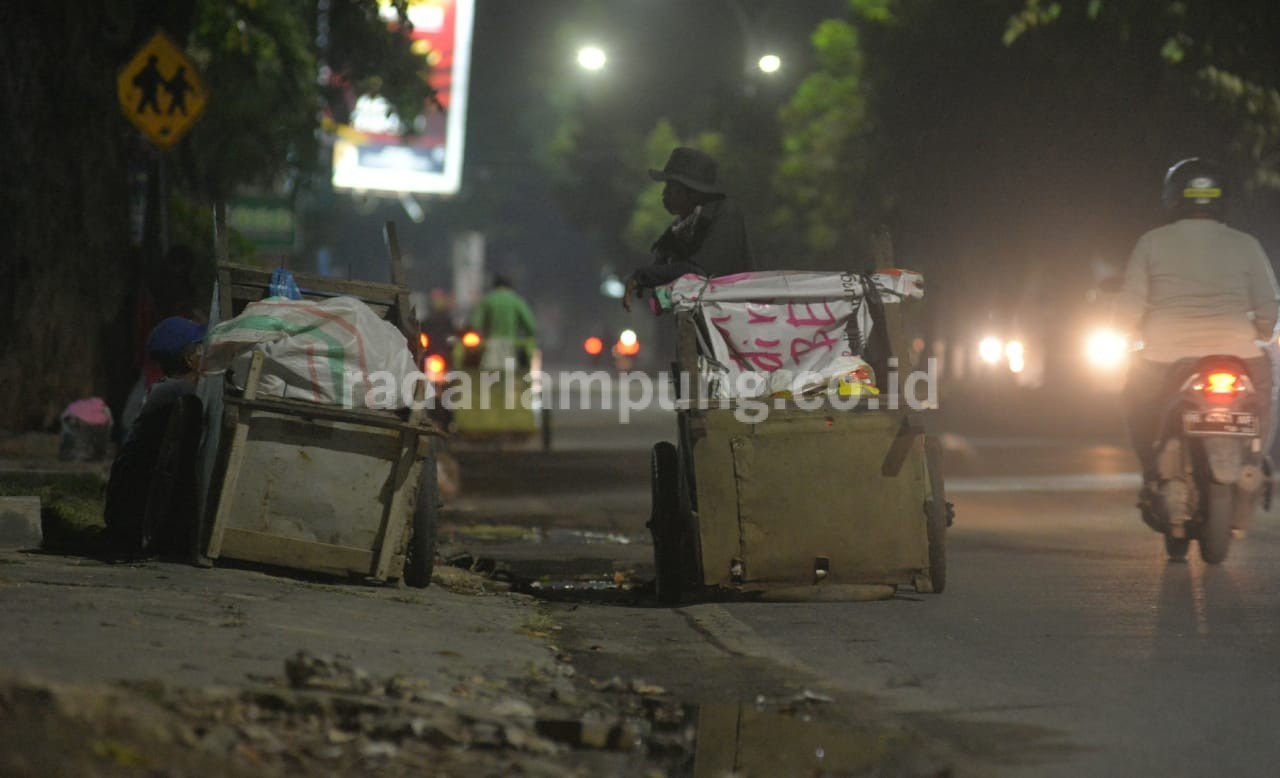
1063,627
1062,612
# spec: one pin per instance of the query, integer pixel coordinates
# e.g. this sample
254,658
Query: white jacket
1198,287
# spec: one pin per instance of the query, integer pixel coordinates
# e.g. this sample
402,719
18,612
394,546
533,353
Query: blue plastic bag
283,285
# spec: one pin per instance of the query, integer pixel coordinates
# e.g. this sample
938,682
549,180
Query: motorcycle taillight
1220,386
435,368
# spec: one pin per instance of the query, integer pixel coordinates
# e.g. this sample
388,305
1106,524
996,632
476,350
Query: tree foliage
827,148
261,64
70,276
596,143
944,120
1012,147
1225,53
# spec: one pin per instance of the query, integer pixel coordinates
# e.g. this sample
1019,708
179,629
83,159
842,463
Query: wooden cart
806,503
505,411
314,487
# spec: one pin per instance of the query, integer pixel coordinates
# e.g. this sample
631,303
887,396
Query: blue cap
173,335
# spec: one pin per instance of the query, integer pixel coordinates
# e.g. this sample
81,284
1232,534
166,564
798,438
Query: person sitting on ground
175,345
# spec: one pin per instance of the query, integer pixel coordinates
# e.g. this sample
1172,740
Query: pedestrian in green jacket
505,322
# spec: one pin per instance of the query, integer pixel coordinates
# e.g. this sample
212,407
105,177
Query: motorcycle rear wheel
1176,548
1219,515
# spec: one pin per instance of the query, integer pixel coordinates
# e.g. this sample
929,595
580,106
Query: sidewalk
81,620
108,667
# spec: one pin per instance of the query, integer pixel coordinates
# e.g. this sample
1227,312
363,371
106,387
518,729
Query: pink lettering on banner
801,346
720,323
756,317
809,315
764,361
767,359
764,340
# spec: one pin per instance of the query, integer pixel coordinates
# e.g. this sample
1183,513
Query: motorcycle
1212,469
435,366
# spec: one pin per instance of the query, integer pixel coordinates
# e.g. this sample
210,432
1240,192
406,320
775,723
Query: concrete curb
20,522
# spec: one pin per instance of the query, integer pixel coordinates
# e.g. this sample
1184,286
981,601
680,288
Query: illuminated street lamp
769,63
592,58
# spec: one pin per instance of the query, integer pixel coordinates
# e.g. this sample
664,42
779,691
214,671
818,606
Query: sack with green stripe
334,352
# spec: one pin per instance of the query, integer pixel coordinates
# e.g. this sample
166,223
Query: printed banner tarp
799,322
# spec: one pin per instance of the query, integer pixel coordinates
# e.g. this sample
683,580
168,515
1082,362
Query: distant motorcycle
434,349
1210,459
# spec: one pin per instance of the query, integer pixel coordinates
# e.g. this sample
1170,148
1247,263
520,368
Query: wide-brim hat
695,169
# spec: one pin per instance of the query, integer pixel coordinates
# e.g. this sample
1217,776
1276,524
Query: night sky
667,58
1084,190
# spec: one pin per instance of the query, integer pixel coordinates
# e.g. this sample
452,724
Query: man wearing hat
175,345
709,235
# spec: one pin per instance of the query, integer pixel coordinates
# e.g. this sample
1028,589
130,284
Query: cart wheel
939,514
420,555
937,517
664,522
546,429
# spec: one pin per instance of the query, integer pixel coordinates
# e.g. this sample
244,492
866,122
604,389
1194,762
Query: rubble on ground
326,716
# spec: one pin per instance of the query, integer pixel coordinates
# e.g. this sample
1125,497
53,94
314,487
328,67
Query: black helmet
1195,185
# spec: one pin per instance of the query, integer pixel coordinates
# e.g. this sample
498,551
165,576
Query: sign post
161,93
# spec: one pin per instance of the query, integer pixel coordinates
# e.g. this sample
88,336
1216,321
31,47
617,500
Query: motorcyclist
1193,288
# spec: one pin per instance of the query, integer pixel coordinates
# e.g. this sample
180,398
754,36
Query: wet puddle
562,586
491,533
741,740
568,565
744,740
590,537
556,563
510,533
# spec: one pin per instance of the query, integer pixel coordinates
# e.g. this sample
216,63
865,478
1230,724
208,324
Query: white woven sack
321,351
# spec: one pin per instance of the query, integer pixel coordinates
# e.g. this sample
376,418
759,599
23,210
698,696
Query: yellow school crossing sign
161,92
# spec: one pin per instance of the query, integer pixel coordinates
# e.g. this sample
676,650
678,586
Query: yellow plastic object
856,384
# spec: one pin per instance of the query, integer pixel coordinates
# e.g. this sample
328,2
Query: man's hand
632,288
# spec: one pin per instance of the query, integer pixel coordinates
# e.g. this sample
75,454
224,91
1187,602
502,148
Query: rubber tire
664,522
420,554
1245,511
1215,529
938,515
1176,548
936,534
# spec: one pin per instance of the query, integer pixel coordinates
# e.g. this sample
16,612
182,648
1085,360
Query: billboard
371,155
